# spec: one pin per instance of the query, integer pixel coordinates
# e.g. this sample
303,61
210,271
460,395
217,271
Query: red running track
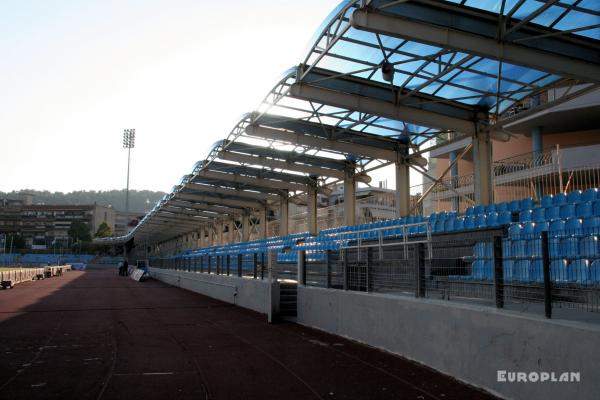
95,335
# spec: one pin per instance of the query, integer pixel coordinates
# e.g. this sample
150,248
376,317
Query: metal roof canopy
457,66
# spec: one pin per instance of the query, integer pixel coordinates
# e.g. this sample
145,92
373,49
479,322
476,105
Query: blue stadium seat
578,271
521,271
557,227
589,246
479,250
596,208
519,249
438,226
574,197
514,206
567,211
478,268
479,209
459,224
502,207
539,214
481,221
528,228
469,222
552,213
534,248
594,272
554,247
490,208
469,212
546,201
584,210
573,226
589,195
504,217
508,267
591,225
559,199
449,224
569,247
525,216
492,219
558,270
526,204
515,230
536,271
541,227
506,245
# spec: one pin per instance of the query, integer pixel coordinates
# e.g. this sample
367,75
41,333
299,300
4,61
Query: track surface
94,335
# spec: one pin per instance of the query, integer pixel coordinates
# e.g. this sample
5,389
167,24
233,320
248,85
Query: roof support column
454,180
246,227
231,231
402,184
220,227
311,208
264,229
349,197
482,158
284,210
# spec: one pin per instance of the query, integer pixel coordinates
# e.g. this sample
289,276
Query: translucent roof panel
580,16
452,77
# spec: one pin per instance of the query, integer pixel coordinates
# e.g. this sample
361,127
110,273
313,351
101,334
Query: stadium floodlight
128,143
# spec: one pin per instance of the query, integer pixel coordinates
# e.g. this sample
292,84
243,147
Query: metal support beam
251,180
245,227
220,227
320,143
263,232
206,188
311,209
286,165
218,200
482,169
402,189
453,164
382,108
349,198
284,209
472,43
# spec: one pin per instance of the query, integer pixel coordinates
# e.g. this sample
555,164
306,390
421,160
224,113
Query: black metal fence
482,266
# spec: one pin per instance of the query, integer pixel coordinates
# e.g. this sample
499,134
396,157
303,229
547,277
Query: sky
75,74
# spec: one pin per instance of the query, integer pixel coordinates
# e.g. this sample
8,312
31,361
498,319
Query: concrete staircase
288,295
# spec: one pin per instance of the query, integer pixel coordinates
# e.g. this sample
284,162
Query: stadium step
288,300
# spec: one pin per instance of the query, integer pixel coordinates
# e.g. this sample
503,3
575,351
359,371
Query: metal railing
475,267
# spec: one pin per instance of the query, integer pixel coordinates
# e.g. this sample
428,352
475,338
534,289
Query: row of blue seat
574,197
548,214
580,271
569,247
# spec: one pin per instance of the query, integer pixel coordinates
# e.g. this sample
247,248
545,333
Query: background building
42,226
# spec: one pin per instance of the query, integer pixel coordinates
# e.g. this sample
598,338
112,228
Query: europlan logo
537,376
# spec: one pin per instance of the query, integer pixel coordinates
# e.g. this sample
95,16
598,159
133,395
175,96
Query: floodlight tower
128,143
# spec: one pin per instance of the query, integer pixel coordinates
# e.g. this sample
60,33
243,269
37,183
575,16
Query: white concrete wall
248,293
468,342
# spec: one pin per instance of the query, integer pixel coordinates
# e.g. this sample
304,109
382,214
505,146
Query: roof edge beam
475,44
273,184
273,163
381,108
320,143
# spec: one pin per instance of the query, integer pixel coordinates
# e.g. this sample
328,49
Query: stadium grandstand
494,105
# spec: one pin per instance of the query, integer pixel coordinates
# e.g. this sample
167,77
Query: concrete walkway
94,335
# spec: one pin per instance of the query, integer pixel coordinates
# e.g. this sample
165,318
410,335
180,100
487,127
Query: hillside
140,201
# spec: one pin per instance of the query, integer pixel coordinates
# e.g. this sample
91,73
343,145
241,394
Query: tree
103,230
80,231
